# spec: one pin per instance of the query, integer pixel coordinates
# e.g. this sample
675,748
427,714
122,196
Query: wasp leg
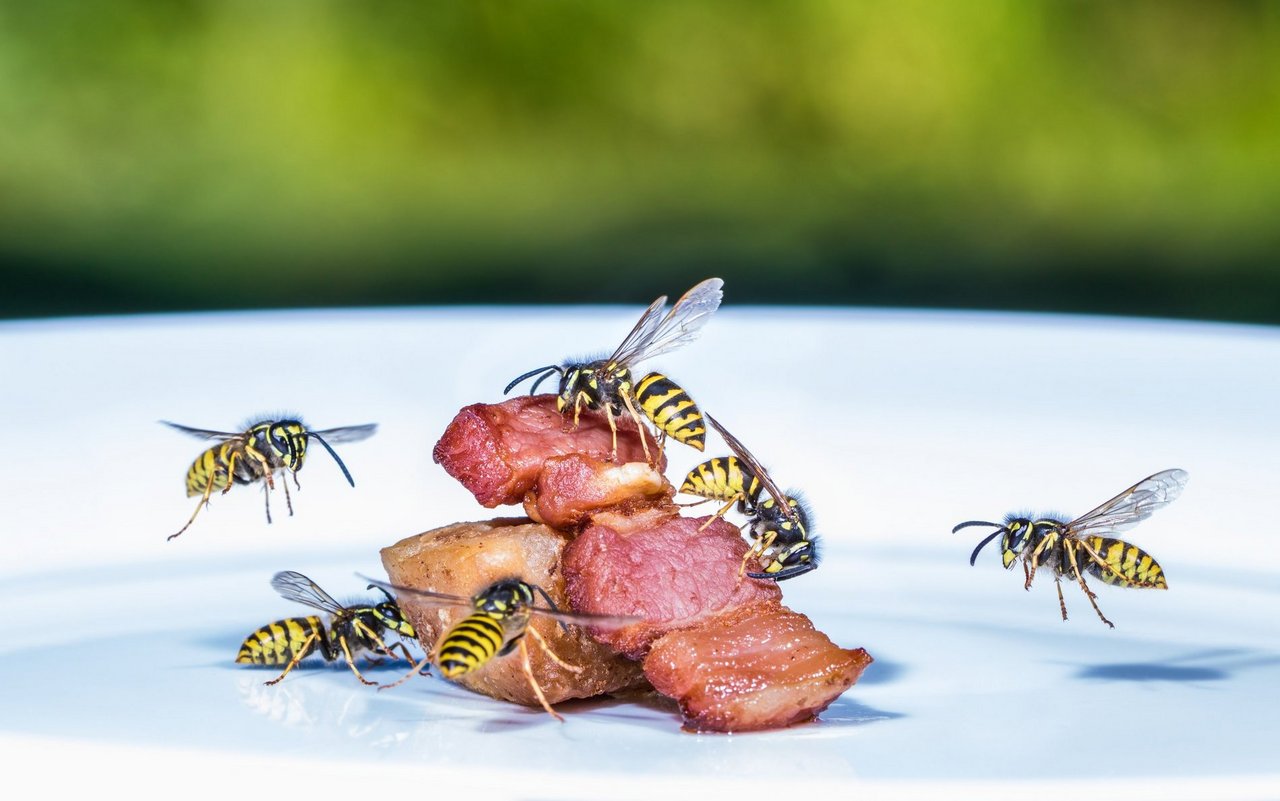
528,672
641,429
1075,568
546,649
266,497
757,549
420,668
203,502
613,430
231,471
262,461
1062,602
1034,559
287,500
297,657
351,663
723,511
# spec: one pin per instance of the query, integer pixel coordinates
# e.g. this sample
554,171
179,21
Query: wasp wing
347,433
445,599
656,333
296,587
426,596
587,618
742,453
1133,505
204,433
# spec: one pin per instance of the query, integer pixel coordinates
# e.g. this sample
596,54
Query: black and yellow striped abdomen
671,409
214,464
1127,564
723,479
470,643
280,642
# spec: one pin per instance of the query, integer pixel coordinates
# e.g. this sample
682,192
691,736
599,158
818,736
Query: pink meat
497,450
759,666
657,565
570,489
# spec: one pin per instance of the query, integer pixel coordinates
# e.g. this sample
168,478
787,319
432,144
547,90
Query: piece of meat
497,450
759,666
570,489
657,565
467,557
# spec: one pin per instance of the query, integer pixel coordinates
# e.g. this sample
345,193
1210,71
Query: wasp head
389,615
794,560
789,523
504,598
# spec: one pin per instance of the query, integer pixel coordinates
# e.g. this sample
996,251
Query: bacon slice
497,450
657,565
570,489
466,557
758,666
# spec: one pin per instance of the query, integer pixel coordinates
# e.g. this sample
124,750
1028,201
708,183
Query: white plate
118,656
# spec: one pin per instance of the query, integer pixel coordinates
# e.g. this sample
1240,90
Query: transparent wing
742,453
296,587
444,599
656,333
347,433
1133,505
204,433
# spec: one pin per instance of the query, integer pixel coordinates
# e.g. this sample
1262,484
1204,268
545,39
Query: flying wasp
778,524
608,384
1083,546
352,628
256,454
497,625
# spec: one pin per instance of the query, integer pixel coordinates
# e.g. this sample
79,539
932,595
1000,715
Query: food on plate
571,489
466,558
263,449
756,666
497,451
1072,549
352,628
609,386
667,569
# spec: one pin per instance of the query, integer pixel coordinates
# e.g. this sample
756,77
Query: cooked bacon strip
570,489
497,450
759,666
658,566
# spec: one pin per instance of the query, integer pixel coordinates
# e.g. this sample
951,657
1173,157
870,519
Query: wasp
608,384
497,625
256,454
1083,545
778,524
351,629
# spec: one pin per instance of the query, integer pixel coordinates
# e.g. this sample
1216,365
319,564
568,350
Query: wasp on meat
608,384
778,524
1084,545
351,628
499,620
256,454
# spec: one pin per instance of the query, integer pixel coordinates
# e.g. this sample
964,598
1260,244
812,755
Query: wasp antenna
974,523
334,454
973,557
550,603
382,590
545,371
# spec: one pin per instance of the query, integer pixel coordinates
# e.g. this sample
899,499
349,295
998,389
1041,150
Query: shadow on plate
1212,665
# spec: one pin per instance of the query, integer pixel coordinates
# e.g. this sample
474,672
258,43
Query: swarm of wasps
776,523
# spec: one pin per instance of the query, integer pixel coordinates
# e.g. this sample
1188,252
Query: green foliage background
1090,156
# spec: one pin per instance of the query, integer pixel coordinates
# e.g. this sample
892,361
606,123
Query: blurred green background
1088,156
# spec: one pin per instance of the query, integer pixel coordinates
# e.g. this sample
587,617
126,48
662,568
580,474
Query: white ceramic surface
116,667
